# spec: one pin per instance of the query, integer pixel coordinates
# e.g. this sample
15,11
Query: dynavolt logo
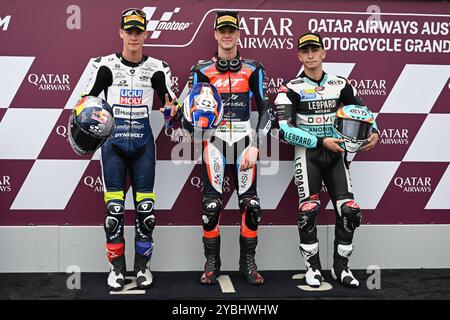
164,23
5,184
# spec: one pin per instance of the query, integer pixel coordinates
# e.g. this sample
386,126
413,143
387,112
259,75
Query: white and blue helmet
203,106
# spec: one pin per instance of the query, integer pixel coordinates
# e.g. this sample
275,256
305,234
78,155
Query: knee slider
114,217
253,212
350,215
145,207
211,210
307,215
145,217
115,208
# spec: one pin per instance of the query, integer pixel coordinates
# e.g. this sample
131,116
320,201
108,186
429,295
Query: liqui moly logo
131,97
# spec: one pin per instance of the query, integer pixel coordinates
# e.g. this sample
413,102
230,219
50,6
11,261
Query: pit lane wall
394,53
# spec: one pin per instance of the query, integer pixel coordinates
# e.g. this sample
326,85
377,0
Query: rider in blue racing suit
129,81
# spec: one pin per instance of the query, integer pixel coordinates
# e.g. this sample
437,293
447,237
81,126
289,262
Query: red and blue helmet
203,107
90,124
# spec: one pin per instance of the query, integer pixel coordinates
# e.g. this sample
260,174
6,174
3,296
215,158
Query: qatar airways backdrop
396,54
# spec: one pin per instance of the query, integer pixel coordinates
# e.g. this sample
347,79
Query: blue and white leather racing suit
129,88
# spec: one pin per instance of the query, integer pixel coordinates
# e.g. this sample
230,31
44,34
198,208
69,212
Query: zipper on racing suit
229,101
325,135
131,110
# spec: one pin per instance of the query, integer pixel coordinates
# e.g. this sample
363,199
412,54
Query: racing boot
340,270
310,253
247,264
116,278
142,257
212,264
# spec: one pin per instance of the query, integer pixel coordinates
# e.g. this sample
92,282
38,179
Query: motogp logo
166,22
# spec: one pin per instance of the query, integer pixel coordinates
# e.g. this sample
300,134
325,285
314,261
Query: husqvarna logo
156,26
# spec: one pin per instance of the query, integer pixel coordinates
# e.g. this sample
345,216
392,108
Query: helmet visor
353,129
84,142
